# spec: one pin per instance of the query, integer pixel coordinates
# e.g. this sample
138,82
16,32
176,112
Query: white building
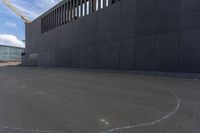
10,54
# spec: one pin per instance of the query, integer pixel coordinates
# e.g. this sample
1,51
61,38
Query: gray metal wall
142,35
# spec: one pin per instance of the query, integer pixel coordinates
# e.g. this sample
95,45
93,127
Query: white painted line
27,130
107,131
153,122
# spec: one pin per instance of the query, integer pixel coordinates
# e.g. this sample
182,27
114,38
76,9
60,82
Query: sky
12,30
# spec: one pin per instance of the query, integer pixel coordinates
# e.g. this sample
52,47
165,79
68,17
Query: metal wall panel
167,52
190,47
145,17
145,53
127,54
142,35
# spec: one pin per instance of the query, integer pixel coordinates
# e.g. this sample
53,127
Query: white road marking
27,130
153,122
104,121
107,131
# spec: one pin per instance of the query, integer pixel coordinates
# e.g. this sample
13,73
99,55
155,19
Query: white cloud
11,24
31,9
11,40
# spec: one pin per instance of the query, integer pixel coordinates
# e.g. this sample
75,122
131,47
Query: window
71,10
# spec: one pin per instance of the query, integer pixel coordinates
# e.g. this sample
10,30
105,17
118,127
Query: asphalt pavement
41,100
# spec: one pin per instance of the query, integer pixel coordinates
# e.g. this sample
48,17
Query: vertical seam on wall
134,36
179,38
96,19
156,20
119,44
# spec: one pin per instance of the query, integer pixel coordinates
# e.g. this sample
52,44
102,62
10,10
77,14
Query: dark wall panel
143,35
190,12
85,30
46,59
167,15
82,57
128,14
40,60
190,51
113,55
76,57
167,52
145,17
67,58
63,57
145,53
101,56
114,22
59,55
90,57
66,35
127,54
108,24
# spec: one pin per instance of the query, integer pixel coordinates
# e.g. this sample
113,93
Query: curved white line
110,130
153,122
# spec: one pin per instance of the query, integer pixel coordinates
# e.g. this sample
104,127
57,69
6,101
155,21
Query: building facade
139,35
10,54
